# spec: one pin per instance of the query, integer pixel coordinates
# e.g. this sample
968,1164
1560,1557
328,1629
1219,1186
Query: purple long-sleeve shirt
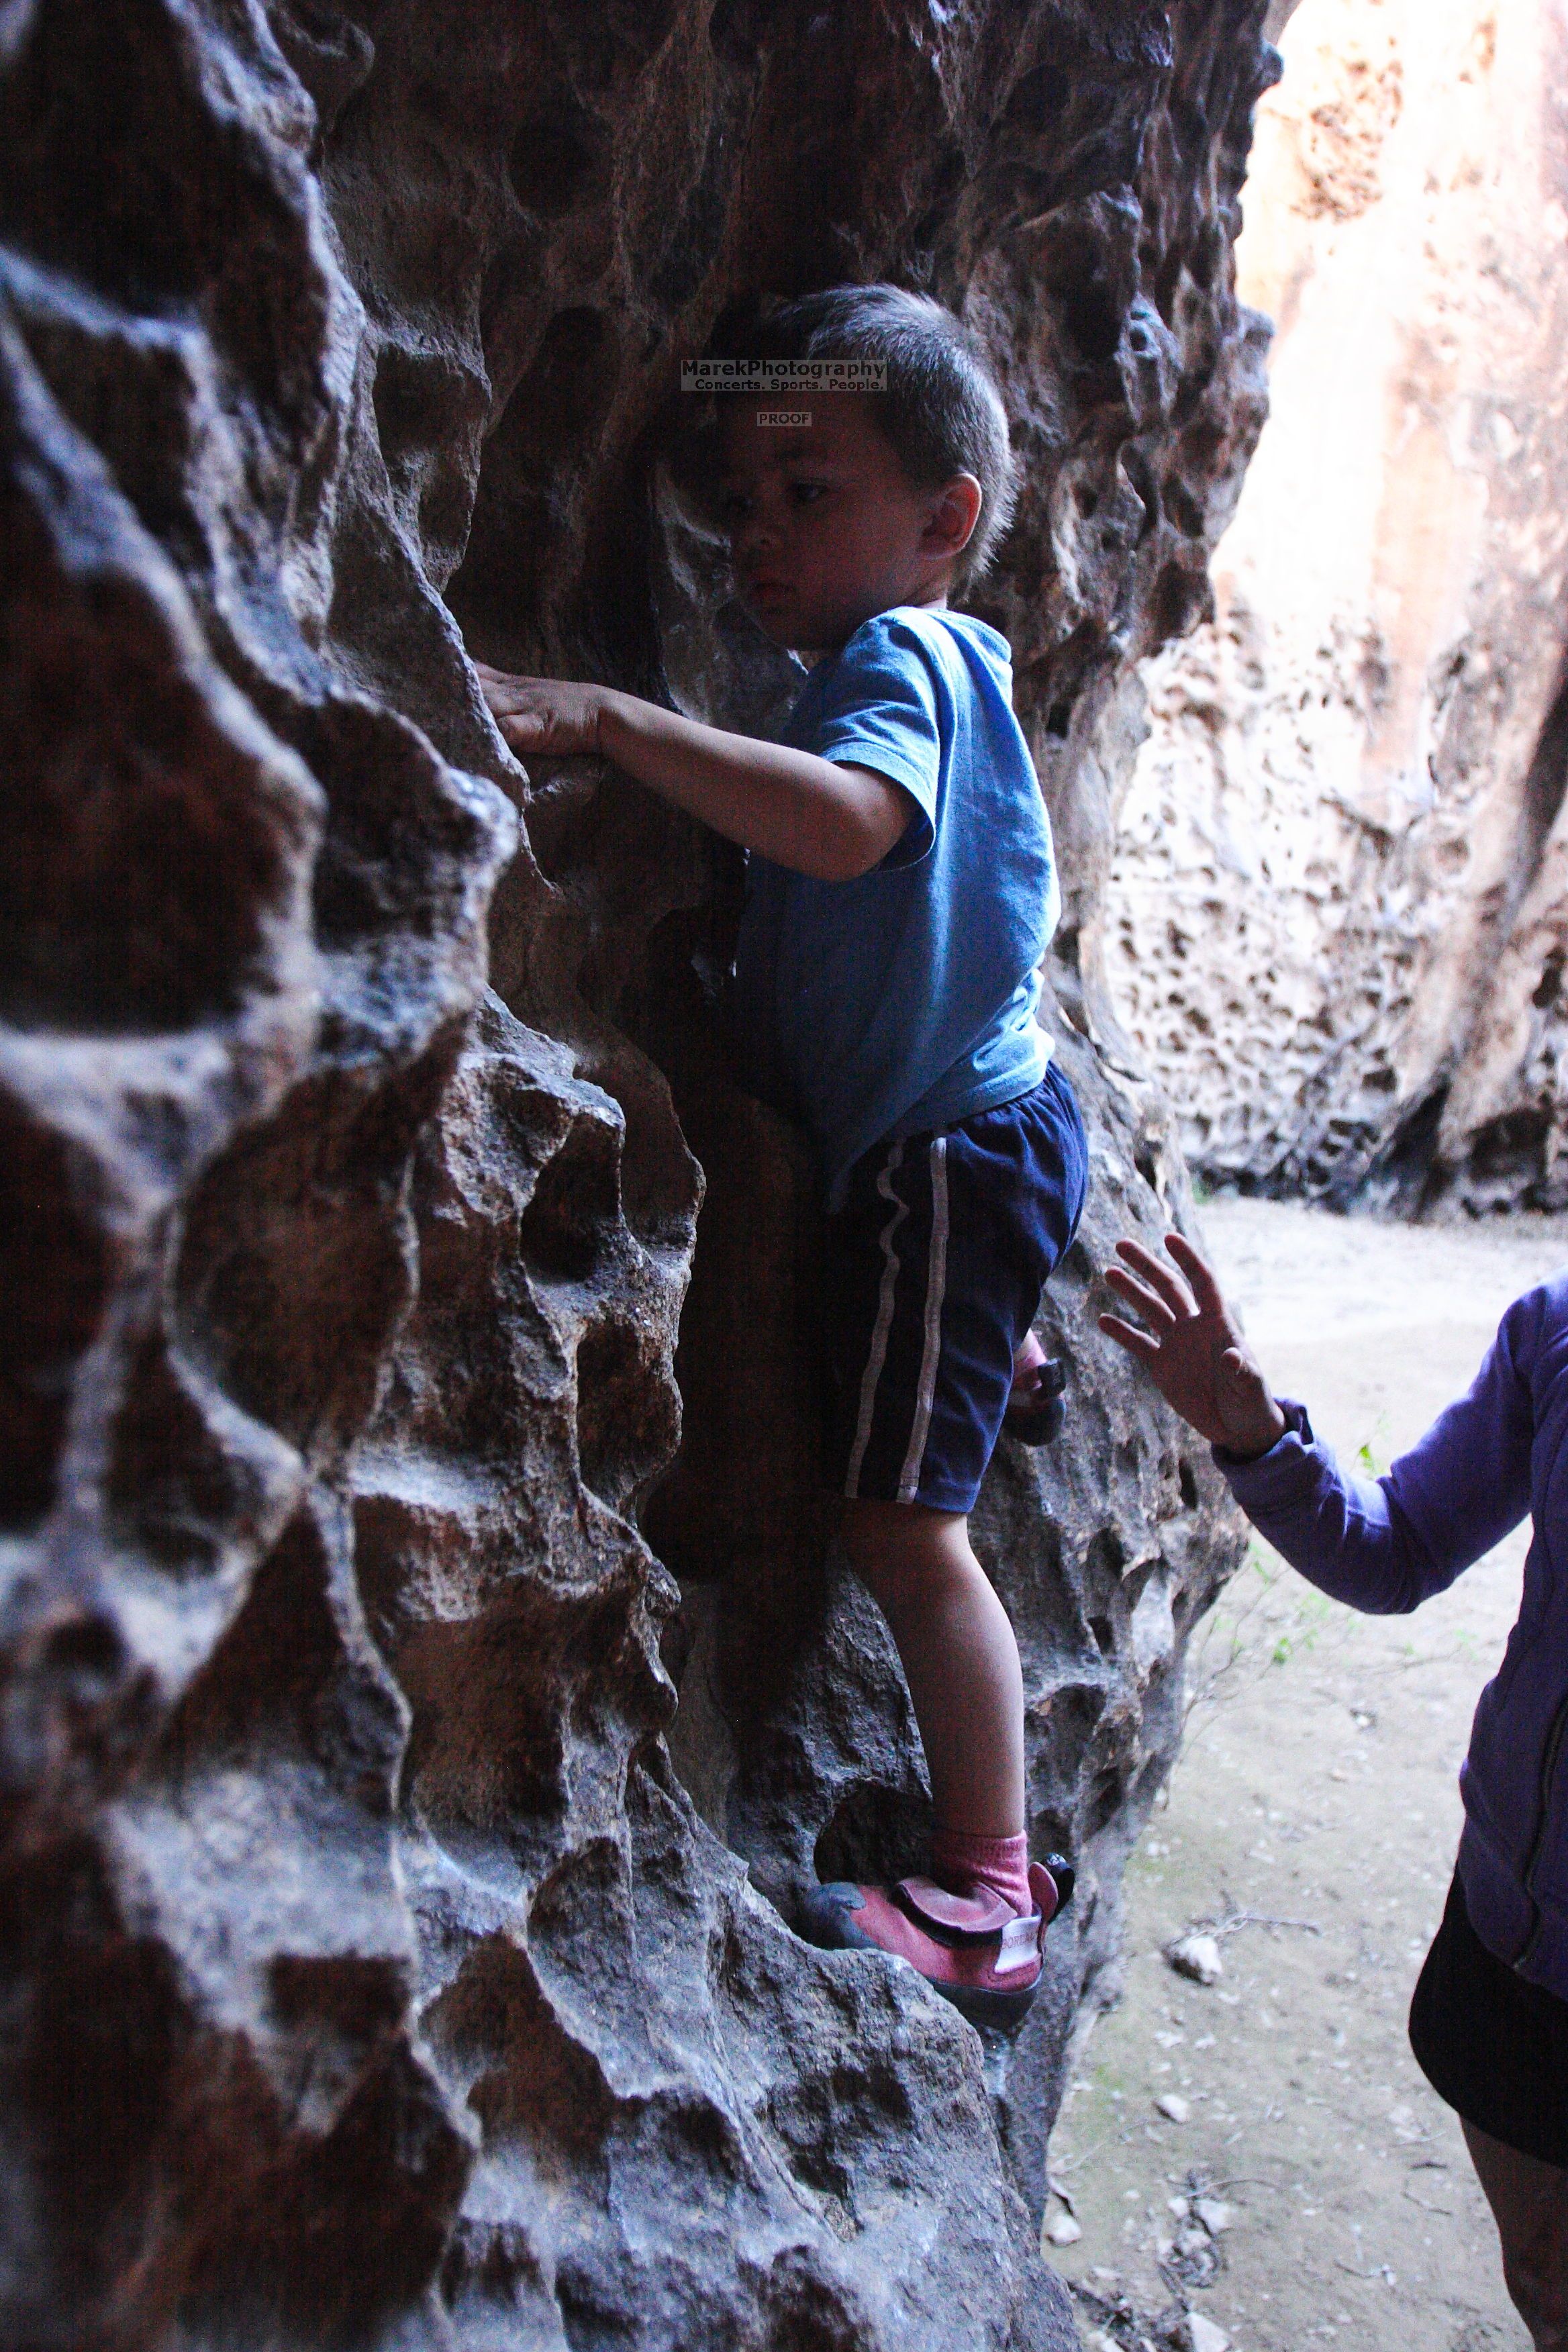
1386,1545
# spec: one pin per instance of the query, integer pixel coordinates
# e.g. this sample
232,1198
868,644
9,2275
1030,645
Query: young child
1488,2024
901,892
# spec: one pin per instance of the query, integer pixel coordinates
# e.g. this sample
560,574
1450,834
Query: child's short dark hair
942,410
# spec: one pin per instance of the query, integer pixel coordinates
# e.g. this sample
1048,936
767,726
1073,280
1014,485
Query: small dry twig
1427,2163
1235,1919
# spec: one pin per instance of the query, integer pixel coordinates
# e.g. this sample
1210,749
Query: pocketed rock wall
1339,910
387,1960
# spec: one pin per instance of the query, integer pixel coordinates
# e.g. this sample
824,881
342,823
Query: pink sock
960,1862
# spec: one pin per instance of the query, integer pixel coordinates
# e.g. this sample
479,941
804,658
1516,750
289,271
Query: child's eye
733,504
805,494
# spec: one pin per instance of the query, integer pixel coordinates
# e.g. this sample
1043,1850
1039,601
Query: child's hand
546,715
1194,1347
834,820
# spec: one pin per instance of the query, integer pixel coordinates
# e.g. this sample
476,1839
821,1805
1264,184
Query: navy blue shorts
934,1270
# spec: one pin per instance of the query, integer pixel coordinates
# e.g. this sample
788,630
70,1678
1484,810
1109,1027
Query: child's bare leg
959,1654
974,1929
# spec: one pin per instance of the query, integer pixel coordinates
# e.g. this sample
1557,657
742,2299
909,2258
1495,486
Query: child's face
825,527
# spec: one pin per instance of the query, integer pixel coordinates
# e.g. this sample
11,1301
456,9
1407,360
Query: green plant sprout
1367,1453
1312,1616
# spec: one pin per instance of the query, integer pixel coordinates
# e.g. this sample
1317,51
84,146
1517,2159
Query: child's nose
757,531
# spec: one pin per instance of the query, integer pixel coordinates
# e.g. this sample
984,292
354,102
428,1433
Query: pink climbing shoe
976,1950
1036,1408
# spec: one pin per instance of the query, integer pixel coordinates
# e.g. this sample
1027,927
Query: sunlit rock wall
387,1960
1340,912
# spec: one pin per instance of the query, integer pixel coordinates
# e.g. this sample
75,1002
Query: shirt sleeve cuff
919,833
1281,1473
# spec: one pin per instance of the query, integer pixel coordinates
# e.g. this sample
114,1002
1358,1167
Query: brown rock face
1339,920
387,1960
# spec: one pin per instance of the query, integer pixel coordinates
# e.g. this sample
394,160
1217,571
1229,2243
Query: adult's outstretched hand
1193,1348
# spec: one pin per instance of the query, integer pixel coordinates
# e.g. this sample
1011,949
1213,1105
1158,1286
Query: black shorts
1493,2046
933,1274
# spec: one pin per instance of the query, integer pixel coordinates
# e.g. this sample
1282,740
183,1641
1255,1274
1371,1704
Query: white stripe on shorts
931,1355
883,1324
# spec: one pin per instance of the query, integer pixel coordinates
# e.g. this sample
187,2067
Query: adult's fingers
1199,1273
1148,1302
1158,1276
1127,1335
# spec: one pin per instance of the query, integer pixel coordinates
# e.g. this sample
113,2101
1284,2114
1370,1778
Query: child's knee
903,1552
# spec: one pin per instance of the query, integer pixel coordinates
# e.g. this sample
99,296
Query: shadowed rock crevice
429,1678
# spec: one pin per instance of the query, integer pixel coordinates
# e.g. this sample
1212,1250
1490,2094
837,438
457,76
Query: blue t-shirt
905,999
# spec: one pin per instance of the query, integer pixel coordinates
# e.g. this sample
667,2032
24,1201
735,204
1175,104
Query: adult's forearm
1344,1535
799,811
1388,1544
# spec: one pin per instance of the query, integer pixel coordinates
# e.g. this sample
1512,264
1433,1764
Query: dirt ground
1316,1786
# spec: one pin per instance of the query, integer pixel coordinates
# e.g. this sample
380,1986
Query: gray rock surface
1338,922
387,1959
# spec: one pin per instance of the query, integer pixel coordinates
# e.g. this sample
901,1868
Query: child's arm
816,816
1383,1546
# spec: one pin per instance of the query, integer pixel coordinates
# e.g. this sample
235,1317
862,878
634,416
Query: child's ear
953,514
